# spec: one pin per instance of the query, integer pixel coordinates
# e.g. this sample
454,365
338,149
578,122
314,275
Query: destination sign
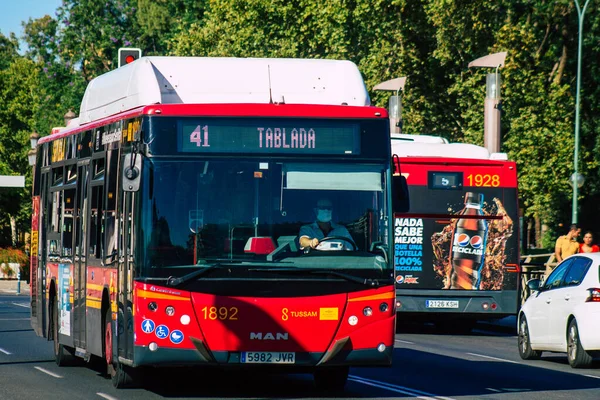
299,136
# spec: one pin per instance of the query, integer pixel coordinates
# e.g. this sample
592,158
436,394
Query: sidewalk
10,287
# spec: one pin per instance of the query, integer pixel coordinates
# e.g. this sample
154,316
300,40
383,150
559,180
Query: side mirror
534,284
132,172
400,197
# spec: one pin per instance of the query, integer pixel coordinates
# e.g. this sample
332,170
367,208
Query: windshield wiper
315,271
176,281
173,281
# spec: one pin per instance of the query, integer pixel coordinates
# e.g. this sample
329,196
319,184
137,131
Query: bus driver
312,234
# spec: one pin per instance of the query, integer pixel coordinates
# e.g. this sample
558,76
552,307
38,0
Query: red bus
456,253
168,216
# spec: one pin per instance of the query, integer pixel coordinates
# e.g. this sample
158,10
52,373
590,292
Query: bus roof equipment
203,80
404,145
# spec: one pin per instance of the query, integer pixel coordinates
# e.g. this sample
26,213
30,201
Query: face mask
324,215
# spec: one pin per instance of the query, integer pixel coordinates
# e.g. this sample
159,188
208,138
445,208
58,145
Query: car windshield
251,212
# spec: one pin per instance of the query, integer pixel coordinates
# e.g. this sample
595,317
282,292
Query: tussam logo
269,336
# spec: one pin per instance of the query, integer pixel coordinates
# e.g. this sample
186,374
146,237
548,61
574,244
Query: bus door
126,265
82,220
39,310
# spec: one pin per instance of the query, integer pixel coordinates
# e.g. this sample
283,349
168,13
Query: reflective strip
154,295
381,296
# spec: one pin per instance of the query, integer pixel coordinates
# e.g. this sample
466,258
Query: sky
13,12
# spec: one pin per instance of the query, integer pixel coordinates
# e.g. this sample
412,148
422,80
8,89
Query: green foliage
429,41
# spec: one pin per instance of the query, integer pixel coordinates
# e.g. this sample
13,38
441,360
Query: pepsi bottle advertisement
457,239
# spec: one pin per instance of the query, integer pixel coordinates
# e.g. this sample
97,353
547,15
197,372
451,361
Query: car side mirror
535,284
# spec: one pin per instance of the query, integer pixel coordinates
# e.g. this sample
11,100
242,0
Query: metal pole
580,15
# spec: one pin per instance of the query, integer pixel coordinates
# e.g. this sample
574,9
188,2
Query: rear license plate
441,303
263,357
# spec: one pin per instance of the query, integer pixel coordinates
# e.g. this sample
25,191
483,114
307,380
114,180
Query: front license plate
264,357
441,303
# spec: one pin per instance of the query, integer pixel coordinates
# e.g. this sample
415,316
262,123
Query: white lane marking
8,353
403,341
22,305
493,358
593,376
107,397
15,319
494,390
397,388
47,372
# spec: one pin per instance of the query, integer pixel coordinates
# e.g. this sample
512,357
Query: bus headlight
353,320
367,311
170,311
152,306
383,307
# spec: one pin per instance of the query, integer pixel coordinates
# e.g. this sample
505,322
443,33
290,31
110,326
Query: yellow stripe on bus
153,295
381,296
93,303
100,287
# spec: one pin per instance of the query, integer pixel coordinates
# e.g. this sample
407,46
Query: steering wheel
345,239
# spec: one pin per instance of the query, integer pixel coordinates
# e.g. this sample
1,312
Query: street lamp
491,122
580,15
576,180
33,139
395,102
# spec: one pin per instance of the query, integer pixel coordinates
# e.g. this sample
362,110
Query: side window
556,277
576,273
96,219
67,223
110,218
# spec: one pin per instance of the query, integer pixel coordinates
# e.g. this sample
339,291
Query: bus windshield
252,212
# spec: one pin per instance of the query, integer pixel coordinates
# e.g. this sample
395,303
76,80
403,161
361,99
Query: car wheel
332,379
525,350
578,357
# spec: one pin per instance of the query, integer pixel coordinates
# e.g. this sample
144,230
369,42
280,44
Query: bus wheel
331,379
63,355
119,374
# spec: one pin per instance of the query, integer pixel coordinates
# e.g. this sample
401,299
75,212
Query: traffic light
128,55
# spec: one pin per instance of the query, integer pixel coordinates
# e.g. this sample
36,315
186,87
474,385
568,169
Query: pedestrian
587,246
565,246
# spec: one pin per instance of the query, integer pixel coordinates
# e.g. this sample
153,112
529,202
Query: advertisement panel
457,238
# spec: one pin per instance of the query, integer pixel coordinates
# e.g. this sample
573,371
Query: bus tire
525,350
63,355
576,354
120,375
331,379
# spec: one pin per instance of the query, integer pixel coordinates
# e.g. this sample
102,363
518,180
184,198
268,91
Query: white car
563,313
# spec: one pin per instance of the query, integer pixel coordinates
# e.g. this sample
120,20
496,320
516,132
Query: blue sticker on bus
148,326
162,331
176,337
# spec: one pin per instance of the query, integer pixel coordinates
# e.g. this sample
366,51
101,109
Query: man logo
268,336
476,242
462,239
400,279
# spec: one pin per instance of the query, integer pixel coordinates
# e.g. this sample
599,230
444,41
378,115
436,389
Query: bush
12,255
